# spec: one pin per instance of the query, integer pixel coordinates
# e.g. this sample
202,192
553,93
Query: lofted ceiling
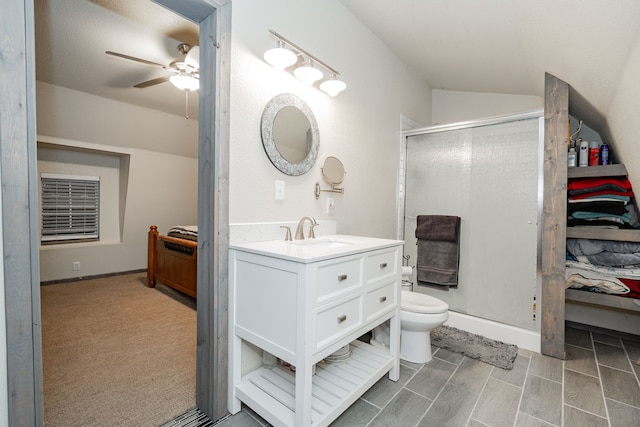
494,46
73,35
506,46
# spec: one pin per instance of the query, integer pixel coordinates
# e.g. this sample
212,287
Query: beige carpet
116,353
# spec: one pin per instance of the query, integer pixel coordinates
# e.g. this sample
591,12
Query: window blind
70,207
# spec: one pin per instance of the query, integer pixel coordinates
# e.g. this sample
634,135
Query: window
70,208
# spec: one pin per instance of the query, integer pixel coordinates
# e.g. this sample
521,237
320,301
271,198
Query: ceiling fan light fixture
280,57
185,81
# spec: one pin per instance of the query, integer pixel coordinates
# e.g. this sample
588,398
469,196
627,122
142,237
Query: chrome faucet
300,229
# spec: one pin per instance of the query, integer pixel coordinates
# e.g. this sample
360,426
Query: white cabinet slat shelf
335,387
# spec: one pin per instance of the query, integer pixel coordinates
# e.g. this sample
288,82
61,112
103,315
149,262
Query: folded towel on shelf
438,250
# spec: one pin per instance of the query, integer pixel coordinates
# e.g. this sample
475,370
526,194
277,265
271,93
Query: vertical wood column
554,215
19,206
213,214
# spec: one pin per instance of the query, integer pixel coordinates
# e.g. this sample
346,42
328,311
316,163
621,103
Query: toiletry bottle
583,156
594,153
571,157
604,154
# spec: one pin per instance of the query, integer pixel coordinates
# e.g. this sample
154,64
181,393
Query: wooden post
151,256
554,216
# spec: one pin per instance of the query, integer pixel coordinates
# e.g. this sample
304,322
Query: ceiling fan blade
133,58
152,82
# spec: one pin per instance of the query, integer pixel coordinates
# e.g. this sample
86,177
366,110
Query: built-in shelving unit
554,229
584,297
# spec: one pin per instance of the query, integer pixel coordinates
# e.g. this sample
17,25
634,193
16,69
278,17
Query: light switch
279,190
331,206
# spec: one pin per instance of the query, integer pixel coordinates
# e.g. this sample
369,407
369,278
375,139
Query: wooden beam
18,176
213,213
554,214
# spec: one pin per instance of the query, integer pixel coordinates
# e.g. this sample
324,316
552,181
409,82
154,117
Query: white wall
69,114
360,126
452,106
161,184
622,117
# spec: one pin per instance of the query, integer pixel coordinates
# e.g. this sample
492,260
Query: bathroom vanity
301,301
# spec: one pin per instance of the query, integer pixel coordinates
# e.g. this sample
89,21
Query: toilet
419,314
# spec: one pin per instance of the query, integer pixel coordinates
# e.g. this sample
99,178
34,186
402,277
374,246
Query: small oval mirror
333,170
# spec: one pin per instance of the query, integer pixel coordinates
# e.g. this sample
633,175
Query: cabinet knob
342,318
383,265
342,277
383,299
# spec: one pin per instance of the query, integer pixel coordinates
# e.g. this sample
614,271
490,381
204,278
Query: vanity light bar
280,57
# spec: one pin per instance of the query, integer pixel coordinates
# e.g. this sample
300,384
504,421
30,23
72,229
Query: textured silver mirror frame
269,115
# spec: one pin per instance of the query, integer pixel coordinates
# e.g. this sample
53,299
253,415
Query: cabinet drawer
380,300
338,277
335,321
382,265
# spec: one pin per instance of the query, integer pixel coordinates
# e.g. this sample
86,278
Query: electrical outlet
75,266
279,190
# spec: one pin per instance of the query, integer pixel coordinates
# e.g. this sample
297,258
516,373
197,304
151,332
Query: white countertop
312,250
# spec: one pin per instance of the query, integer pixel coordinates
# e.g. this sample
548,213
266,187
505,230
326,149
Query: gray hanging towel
438,250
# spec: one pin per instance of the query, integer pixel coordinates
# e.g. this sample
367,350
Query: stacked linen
188,232
601,202
624,282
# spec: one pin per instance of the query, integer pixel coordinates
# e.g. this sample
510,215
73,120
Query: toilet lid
421,303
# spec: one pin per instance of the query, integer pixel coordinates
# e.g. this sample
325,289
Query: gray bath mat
475,346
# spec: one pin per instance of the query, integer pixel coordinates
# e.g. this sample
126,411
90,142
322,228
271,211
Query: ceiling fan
184,73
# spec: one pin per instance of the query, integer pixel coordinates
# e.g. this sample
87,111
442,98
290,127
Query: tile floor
597,385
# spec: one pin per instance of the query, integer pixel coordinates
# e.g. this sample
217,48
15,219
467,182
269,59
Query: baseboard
529,340
95,276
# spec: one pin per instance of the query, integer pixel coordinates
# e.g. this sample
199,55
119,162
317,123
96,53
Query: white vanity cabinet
301,302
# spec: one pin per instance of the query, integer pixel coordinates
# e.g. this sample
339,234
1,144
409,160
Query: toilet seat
420,303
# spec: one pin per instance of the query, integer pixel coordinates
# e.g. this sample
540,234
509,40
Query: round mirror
333,170
290,134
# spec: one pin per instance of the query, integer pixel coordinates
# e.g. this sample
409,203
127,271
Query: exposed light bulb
307,73
280,57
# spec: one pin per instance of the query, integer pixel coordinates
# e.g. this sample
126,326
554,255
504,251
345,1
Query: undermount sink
322,243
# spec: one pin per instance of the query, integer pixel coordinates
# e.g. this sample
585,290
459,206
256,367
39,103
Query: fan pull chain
186,104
